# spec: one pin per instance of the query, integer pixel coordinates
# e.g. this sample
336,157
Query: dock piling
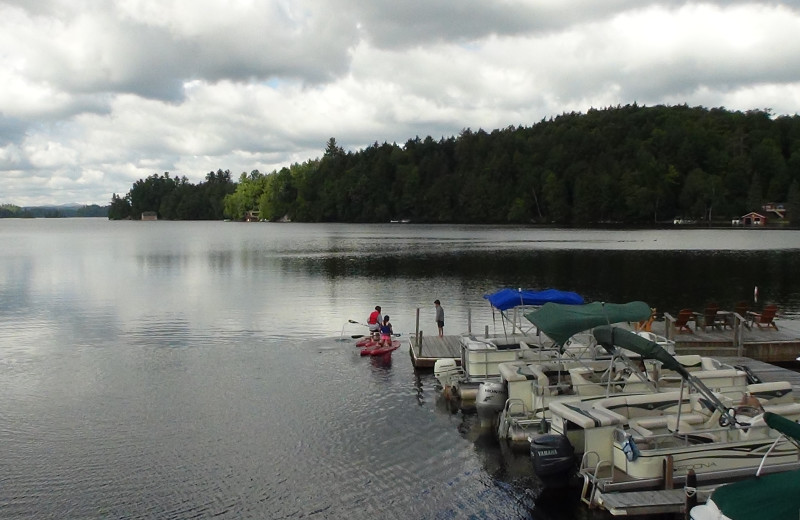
417,331
668,469
691,494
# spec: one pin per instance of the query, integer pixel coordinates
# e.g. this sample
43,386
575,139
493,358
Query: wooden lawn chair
742,308
646,325
764,319
682,321
710,316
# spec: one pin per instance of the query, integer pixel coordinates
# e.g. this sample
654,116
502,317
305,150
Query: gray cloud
95,94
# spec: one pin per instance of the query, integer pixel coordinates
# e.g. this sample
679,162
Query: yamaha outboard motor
553,459
490,401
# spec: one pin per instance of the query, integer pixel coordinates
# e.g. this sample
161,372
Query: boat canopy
783,425
776,495
609,337
505,299
561,322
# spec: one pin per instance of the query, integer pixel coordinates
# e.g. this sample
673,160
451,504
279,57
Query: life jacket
373,317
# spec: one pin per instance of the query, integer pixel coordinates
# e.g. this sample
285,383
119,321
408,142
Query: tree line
627,164
91,210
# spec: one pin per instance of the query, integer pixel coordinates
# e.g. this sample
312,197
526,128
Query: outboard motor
553,459
446,371
490,401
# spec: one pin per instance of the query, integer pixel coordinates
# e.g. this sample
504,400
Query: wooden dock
656,502
770,345
424,354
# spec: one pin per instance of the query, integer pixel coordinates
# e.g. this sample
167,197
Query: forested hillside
627,164
13,211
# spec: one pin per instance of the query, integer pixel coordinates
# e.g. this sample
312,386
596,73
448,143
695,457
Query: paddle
356,336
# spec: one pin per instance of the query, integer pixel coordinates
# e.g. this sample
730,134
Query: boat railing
480,358
676,437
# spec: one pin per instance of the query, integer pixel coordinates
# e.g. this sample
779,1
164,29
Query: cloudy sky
96,94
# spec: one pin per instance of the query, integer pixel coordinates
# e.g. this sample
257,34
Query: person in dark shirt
439,317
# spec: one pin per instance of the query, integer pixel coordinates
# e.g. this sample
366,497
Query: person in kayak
386,332
374,322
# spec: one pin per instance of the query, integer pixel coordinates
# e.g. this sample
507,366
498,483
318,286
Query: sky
97,94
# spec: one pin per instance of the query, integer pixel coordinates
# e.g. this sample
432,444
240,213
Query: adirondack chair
764,319
741,309
710,316
646,325
683,319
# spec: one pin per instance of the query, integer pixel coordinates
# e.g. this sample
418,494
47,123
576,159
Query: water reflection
195,369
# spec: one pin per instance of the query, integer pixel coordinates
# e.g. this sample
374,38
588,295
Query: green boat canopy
783,425
609,336
560,322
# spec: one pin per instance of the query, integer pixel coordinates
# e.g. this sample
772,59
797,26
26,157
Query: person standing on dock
439,317
374,322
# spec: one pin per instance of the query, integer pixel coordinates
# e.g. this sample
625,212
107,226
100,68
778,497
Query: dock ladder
592,478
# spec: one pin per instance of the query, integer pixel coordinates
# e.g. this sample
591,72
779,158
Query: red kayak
377,349
367,342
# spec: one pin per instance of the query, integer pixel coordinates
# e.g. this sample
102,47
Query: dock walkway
424,354
770,345
655,502
773,346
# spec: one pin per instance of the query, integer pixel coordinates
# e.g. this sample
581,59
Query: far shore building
752,219
777,209
149,215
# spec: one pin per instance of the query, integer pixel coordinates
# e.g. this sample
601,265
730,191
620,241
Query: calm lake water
206,369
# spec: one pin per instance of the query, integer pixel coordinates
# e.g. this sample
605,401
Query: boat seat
755,429
516,371
690,362
772,393
645,425
707,363
692,426
586,418
638,406
789,410
722,379
583,385
543,386
632,384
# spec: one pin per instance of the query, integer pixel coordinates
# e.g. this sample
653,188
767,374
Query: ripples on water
262,429
199,370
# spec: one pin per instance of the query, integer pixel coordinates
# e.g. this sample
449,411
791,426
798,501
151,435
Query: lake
206,369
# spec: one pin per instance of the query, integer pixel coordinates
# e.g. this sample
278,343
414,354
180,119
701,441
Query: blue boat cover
505,299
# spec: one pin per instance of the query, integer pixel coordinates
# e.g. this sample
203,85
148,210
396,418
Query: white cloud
96,94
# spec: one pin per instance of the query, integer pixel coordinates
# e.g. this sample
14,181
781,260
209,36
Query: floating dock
425,353
656,502
769,345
